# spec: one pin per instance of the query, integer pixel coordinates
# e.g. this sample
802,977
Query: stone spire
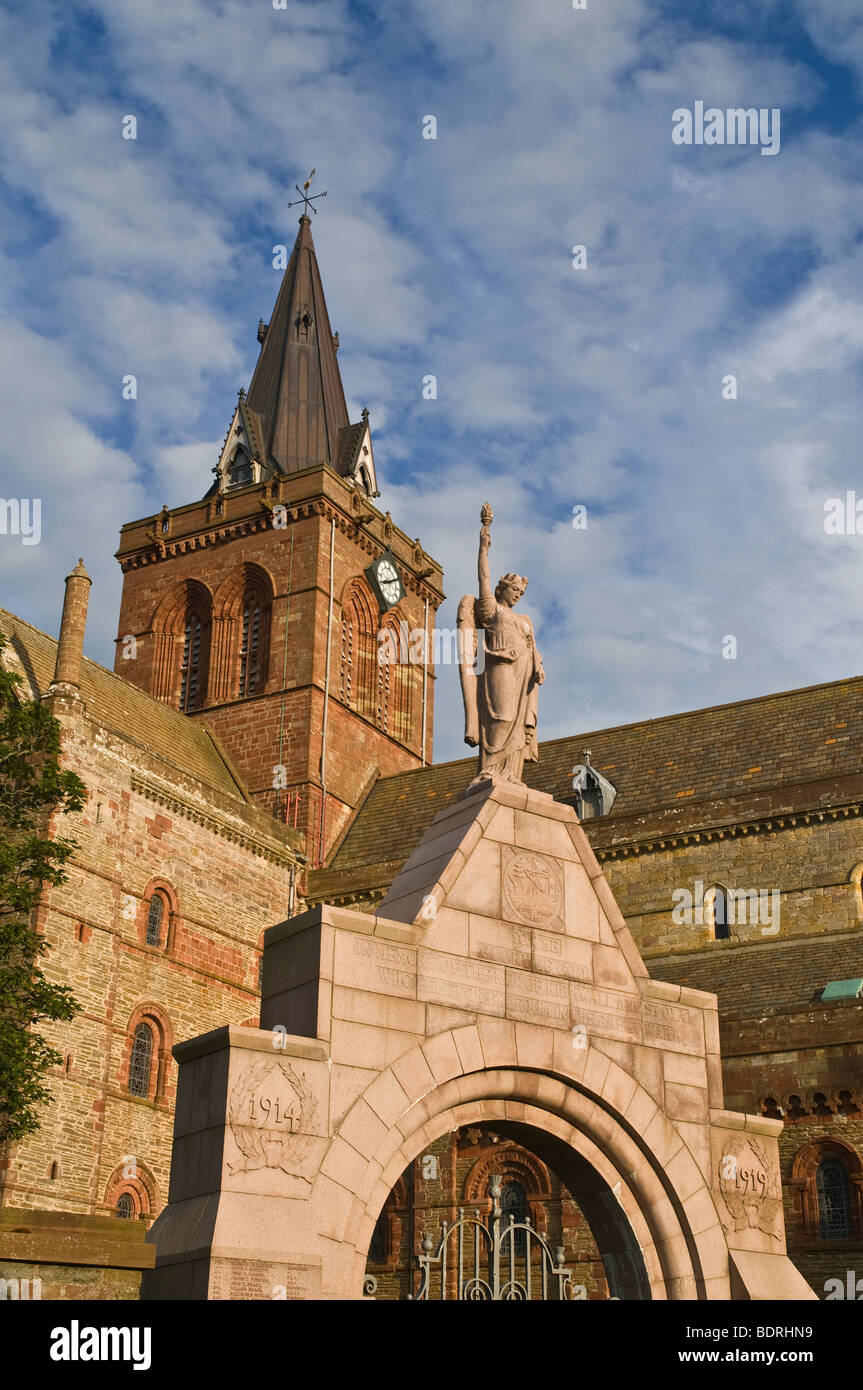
70,647
296,393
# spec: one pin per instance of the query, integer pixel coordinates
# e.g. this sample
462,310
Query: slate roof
752,981
296,395
708,767
130,713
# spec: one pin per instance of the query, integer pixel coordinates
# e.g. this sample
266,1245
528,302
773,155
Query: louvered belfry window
361,678
141,1061
834,1199
250,647
154,920
190,665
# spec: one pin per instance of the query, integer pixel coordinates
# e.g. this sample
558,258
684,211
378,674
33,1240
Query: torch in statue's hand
486,516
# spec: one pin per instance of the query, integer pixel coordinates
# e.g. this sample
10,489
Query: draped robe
507,693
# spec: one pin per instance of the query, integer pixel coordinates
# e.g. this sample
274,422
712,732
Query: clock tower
284,609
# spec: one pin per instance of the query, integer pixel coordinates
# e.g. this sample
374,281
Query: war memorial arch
497,983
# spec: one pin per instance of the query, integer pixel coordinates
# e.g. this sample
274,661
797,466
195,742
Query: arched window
360,681
240,471
834,1199
252,644
721,924
395,679
140,1061
154,920
129,1197
513,1205
181,647
125,1206
192,661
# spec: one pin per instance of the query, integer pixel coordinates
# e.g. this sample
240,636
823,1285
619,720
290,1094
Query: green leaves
34,789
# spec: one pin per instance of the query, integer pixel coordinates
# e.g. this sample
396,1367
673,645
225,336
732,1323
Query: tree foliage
33,789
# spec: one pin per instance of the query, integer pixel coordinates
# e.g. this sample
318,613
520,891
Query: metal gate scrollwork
488,1268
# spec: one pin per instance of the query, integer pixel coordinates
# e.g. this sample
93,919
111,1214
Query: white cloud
453,257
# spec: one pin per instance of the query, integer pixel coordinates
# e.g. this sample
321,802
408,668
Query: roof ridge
702,709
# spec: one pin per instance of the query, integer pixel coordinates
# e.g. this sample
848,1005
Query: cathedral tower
261,610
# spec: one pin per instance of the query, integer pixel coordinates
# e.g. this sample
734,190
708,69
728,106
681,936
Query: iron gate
488,1266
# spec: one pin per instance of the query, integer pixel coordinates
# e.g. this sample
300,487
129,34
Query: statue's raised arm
486,517
500,703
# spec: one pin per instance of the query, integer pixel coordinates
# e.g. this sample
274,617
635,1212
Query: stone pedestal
498,982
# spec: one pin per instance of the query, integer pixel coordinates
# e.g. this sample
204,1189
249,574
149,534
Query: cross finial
305,197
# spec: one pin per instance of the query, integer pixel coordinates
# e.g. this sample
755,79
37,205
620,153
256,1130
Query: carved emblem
271,1105
531,887
749,1183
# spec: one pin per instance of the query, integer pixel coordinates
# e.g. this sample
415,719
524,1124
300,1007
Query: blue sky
556,387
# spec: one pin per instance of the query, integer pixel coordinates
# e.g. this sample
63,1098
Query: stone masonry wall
203,973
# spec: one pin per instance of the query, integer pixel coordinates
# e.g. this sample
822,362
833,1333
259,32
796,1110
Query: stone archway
498,982
647,1203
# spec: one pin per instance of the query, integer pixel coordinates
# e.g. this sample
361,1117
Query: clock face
391,585
386,580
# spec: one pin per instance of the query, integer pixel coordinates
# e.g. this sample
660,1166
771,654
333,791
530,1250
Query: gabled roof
178,742
776,754
254,429
296,390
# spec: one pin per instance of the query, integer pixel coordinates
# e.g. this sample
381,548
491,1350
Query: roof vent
594,794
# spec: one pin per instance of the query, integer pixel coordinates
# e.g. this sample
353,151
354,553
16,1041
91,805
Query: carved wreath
264,1138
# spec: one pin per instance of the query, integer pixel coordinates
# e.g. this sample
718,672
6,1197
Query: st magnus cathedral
250,757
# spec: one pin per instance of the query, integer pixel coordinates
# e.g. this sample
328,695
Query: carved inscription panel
275,1113
460,983
633,1018
500,942
748,1179
385,967
672,1026
554,954
606,1012
537,998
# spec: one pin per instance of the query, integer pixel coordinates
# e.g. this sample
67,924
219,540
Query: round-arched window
125,1206
721,925
140,1061
834,1199
154,919
513,1207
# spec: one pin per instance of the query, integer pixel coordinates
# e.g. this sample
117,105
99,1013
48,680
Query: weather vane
304,196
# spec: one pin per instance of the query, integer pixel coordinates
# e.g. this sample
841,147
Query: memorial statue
500,703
